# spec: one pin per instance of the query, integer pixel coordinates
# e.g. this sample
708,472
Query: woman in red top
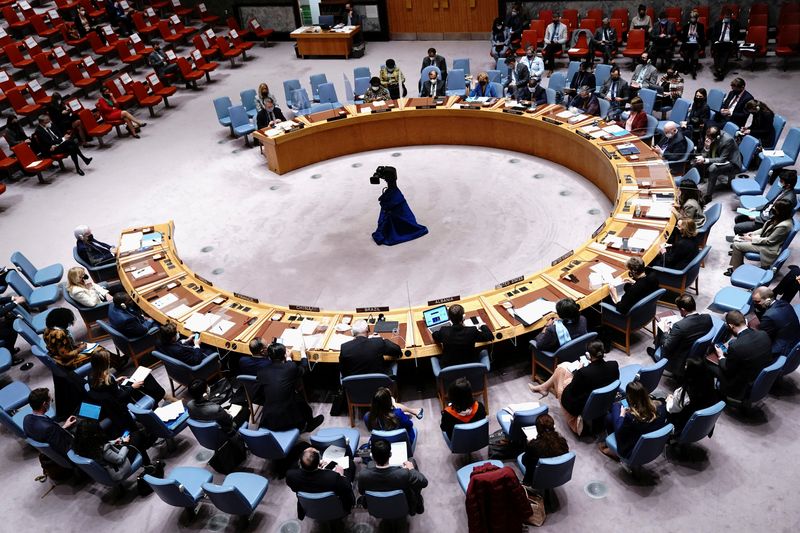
107,106
462,408
636,123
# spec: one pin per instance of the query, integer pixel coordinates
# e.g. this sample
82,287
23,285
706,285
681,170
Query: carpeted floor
220,194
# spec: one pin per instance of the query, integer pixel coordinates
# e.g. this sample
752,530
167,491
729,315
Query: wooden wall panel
441,16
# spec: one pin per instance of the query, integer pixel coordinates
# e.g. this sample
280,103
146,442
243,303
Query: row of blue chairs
236,117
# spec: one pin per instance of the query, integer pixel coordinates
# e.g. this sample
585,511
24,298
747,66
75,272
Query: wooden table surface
324,43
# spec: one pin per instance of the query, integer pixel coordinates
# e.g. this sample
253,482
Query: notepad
399,454
143,272
308,326
535,310
234,409
660,210
773,153
530,433
89,347
752,213
603,269
572,366
565,114
221,327
141,373
615,130
170,411
178,311
665,323
336,454
165,300
518,407
130,242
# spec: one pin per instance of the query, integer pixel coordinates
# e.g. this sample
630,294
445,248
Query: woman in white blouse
83,290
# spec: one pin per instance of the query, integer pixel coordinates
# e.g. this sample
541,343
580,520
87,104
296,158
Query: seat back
766,378
228,499
91,468
692,175
778,123
792,234
636,39
551,96
221,106
423,76
599,401
24,265
13,278
557,81
455,80
29,334
322,506
575,348
553,472
715,99
361,72
239,116
712,213
679,111
747,148
388,505
700,346
208,434
601,74
89,315
327,93
317,80
701,423
300,101
394,435
248,98
47,450
361,388
170,491
349,94
649,446
361,86
468,438
461,64
648,97
47,361
262,442
475,373
150,420
183,373
523,419
645,309
572,69
792,360
791,145
650,376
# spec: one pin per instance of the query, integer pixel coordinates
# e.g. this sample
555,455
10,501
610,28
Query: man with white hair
363,354
672,146
91,250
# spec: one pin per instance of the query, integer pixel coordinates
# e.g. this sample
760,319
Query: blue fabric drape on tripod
396,222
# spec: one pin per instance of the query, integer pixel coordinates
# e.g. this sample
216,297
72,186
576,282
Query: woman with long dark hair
548,443
385,414
642,415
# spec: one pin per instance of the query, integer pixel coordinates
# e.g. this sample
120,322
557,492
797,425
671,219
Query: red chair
636,46
6,164
160,5
103,50
117,88
38,93
63,59
79,42
32,46
673,12
21,105
758,36
789,7
29,162
621,13
204,66
261,33
46,67
180,10
529,38
580,50
14,54
205,16
240,43
790,19
92,127
80,79
16,19
41,28
5,38
233,25
546,16
138,45
570,18
226,51
703,11
94,70
788,42
91,11
66,5
181,28
203,43
590,24
143,98
190,74
143,26
539,27
126,56
7,84
156,87
596,14
168,33
757,20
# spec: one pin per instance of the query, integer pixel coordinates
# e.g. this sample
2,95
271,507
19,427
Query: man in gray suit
719,157
645,76
379,476
676,342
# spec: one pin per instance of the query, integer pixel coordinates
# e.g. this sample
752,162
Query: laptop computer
89,410
436,318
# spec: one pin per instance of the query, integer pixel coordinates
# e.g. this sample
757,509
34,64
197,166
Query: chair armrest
205,362
436,366
607,307
666,270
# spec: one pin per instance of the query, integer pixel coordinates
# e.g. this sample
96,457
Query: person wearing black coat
270,115
50,141
682,245
569,314
644,282
187,351
761,127
311,476
699,115
693,39
777,319
676,342
364,355
745,357
458,341
734,105
724,36
435,60
284,407
642,415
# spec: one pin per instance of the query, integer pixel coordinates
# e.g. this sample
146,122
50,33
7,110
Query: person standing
720,157
392,79
693,40
435,60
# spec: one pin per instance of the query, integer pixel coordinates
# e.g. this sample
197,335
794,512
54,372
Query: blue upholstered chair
557,81
107,272
652,122
639,316
361,72
678,166
251,388
99,474
778,123
268,444
495,76
475,373
701,424
39,277
13,396
649,376
712,213
732,299
36,297
678,113
208,434
12,420
5,360
790,148
90,316
157,427
755,256
468,438
761,386
182,487
715,99
133,347
455,83
551,95
387,505
512,424
316,80
239,493
241,125
36,321
601,73
747,148
289,87
758,201
185,374
648,97
463,474
397,435
572,69
462,64
550,472
679,281
698,349
47,450
360,389
649,447
605,106
792,360
248,98
730,128
327,95
691,175
361,86
745,186
571,351
221,107
751,276
598,404
321,506
44,357
29,334
344,437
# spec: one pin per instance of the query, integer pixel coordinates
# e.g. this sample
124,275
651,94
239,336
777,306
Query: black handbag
156,469
230,455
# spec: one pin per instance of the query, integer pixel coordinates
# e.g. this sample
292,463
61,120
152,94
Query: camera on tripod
388,174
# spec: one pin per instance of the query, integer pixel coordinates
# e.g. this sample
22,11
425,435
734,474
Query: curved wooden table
174,292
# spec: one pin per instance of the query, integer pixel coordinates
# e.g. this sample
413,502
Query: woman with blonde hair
83,290
483,88
643,415
682,245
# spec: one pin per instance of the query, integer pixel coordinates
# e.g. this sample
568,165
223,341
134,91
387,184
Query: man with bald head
364,355
312,476
672,146
778,319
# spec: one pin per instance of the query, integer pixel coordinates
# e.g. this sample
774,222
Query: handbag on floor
537,506
156,469
231,454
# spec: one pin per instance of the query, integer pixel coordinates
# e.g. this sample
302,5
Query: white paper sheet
143,272
308,326
130,242
399,454
535,310
336,341
337,454
221,327
165,300
517,407
178,311
170,411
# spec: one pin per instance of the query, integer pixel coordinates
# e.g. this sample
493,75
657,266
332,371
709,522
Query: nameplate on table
440,301
245,297
308,308
336,117
584,135
512,111
607,153
512,281
557,260
596,232
552,121
204,280
426,106
381,110
379,309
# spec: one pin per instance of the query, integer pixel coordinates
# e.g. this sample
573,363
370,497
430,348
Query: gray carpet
186,168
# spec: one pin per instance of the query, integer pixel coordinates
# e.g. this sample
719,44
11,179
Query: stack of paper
130,242
660,210
535,310
615,130
565,114
572,366
199,322
578,118
308,326
336,341
643,238
179,311
338,455
143,272
517,407
530,433
164,301
665,323
170,411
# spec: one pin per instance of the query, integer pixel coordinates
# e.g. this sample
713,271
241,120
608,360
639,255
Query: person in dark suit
91,250
7,317
787,178
40,427
789,286
433,86
364,355
313,477
672,146
778,319
574,388
559,331
682,245
125,317
187,351
518,76
719,157
676,342
662,39
350,17
605,40
270,115
435,60
747,355
202,409
693,39
761,126
458,341
584,76
724,37
616,91
284,407
379,476
697,391
642,415
548,443
48,141
644,282
734,105
252,364
533,92
586,101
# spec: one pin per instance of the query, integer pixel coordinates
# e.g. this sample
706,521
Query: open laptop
436,318
89,410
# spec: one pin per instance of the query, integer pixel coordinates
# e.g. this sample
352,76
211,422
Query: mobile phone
722,347
125,435
331,465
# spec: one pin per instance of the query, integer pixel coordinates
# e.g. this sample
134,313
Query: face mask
694,20
483,82
85,277
375,87
663,21
642,60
